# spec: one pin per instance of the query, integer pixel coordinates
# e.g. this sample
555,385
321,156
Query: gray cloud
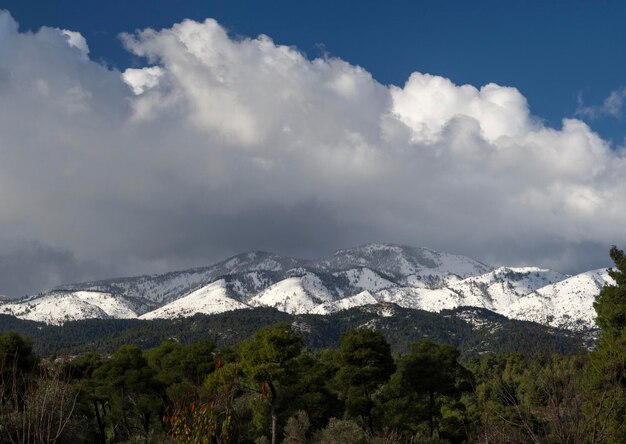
30,267
220,145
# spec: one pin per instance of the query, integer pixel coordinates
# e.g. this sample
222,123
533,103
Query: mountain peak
375,273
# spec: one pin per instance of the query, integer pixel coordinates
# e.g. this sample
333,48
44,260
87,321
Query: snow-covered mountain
57,307
358,300
499,288
409,277
212,298
566,304
401,262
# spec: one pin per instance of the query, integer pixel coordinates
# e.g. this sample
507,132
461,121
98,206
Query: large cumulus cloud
221,144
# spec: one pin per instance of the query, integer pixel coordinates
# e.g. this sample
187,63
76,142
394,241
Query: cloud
76,40
29,267
611,107
223,144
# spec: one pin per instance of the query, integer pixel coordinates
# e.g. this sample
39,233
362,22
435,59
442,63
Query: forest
271,387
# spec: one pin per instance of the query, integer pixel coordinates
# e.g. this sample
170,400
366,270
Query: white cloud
220,145
142,79
76,40
612,106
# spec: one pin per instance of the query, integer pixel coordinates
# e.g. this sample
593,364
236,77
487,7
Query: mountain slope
498,289
358,300
164,288
210,299
59,307
401,262
564,304
412,278
295,295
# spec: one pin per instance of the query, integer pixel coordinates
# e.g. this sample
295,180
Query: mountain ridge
411,277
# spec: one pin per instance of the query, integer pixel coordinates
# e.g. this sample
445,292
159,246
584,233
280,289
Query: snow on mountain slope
159,289
410,277
164,288
60,307
294,295
359,279
420,298
566,304
402,262
358,300
210,299
432,279
247,285
498,289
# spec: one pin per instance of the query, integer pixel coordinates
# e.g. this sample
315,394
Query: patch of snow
498,289
60,307
365,279
565,304
358,300
210,299
420,298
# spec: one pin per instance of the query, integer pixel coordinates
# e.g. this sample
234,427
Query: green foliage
610,304
296,428
606,373
268,360
365,364
310,390
341,431
181,368
270,388
129,394
407,326
16,355
268,356
427,387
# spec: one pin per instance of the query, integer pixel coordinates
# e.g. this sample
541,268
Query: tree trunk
273,425
273,412
431,412
100,421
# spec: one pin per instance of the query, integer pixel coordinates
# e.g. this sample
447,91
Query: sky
143,137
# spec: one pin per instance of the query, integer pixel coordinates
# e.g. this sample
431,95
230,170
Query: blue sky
554,52
489,129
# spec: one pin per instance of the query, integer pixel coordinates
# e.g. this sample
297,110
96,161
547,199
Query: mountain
473,331
374,274
57,307
358,300
294,295
499,288
212,298
402,263
564,304
164,288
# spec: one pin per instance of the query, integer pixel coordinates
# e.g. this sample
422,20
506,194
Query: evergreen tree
610,304
268,359
365,364
432,370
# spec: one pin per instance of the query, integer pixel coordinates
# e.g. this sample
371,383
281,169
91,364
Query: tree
365,364
610,304
432,370
16,360
607,369
296,428
133,395
340,431
268,360
182,368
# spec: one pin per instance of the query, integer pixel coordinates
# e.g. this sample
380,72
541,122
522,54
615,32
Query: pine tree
610,304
